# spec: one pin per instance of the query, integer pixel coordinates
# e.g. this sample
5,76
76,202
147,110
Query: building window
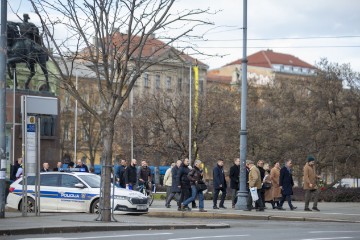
201,85
180,84
67,100
85,137
157,81
146,80
47,126
66,133
288,68
168,83
86,98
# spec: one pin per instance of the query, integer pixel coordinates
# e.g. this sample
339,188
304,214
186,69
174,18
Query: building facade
265,68
170,74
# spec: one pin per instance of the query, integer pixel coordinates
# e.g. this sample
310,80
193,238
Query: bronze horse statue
25,47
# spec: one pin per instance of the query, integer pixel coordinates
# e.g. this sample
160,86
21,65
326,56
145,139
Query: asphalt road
262,230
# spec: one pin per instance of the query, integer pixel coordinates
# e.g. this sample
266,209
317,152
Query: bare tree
317,115
161,126
91,136
115,38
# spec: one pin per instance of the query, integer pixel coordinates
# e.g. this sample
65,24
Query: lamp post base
241,203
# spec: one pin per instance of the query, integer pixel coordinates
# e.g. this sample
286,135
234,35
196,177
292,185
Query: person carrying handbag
197,187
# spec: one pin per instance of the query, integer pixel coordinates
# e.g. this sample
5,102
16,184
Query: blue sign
31,128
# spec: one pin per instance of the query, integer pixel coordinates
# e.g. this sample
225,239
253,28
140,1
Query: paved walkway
335,212
15,224
160,217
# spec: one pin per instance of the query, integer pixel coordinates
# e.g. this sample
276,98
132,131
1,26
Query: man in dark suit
234,180
219,184
81,165
175,191
130,175
120,174
286,183
58,167
45,167
183,182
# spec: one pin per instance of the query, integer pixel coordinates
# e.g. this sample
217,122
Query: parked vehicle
73,192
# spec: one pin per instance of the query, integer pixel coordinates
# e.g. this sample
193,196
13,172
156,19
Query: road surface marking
303,212
334,232
207,237
347,214
99,237
334,238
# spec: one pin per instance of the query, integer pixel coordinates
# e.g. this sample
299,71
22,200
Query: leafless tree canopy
290,119
115,39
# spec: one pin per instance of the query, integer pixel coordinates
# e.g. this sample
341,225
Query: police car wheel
95,207
30,205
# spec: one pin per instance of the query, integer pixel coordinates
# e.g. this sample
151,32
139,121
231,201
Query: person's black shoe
281,208
316,209
202,210
233,206
293,208
183,207
194,206
215,207
247,210
223,207
168,206
307,210
179,209
260,210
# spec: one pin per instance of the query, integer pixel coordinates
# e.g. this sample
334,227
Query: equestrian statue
25,46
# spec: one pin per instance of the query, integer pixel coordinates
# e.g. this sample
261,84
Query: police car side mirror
79,185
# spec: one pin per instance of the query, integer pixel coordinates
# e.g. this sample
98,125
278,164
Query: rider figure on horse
29,30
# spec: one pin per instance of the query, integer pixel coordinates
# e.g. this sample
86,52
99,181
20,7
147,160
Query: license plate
141,207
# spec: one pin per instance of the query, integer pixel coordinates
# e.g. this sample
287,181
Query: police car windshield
92,180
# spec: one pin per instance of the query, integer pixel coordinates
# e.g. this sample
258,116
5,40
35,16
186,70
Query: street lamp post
3,52
190,112
243,193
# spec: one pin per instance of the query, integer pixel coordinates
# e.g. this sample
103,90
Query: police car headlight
121,197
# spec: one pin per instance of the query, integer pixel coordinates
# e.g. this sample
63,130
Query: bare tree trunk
106,157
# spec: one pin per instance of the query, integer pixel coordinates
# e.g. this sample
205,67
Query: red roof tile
213,77
152,48
267,58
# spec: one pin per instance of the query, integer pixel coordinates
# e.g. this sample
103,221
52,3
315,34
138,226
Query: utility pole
132,124
3,52
190,112
76,121
243,193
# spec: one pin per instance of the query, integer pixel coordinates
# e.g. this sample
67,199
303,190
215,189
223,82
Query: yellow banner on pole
196,102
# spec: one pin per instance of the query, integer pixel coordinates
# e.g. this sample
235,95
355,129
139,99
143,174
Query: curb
77,229
211,215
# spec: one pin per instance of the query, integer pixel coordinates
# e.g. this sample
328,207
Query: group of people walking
185,184
272,185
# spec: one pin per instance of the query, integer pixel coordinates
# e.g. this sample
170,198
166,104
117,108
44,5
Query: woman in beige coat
276,190
268,192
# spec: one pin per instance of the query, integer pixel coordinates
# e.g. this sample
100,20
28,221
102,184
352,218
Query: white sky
273,19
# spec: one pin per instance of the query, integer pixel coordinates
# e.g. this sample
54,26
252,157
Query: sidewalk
162,218
330,212
15,224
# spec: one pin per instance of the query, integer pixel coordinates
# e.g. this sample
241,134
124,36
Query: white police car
73,192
